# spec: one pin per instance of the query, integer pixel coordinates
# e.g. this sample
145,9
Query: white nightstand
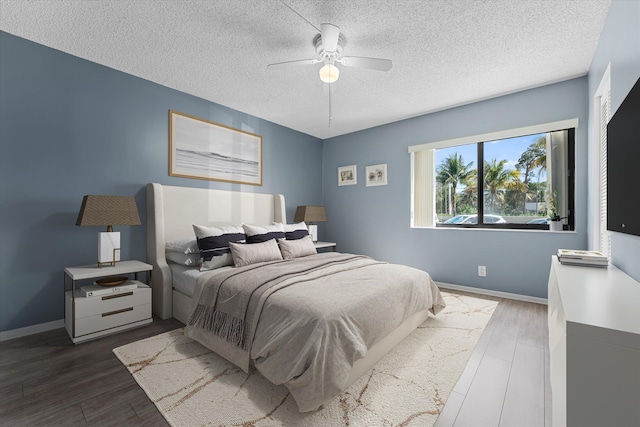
320,245
92,317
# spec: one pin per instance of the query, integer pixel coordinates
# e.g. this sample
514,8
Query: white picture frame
347,175
376,175
201,149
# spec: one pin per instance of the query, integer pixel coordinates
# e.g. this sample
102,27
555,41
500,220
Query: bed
171,212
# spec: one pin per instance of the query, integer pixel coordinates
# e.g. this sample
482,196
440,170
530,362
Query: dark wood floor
45,380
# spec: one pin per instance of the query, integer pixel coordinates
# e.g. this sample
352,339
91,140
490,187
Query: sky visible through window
504,149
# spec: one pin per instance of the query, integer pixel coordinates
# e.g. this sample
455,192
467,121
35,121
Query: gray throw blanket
230,303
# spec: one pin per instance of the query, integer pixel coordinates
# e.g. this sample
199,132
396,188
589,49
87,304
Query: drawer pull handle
111,313
126,294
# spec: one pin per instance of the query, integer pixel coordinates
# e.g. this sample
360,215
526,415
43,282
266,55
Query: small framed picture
376,175
347,175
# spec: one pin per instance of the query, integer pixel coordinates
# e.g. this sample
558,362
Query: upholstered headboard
172,211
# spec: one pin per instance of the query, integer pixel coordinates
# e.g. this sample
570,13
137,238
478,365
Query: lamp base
108,248
313,232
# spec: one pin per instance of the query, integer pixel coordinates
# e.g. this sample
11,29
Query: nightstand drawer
112,319
91,306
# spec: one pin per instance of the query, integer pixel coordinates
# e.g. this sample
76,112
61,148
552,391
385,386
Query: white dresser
594,342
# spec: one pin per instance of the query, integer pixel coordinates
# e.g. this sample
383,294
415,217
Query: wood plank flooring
45,380
506,381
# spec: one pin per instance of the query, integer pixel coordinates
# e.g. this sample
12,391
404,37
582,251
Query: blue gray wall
70,127
376,220
619,46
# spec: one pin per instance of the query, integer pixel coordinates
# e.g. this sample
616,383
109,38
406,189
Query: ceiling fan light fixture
329,73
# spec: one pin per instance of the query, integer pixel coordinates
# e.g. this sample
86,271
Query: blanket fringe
221,324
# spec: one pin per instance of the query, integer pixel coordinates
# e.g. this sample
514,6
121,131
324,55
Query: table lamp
311,214
108,211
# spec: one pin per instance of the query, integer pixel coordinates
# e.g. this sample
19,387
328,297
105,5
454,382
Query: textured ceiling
444,53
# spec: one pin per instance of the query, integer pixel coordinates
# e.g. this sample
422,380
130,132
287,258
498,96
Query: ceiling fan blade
294,63
363,62
330,36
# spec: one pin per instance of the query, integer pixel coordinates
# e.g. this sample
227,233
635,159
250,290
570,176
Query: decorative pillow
257,252
295,231
184,259
297,248
258,234
214,244
185,245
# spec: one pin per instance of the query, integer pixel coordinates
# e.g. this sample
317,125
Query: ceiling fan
329,45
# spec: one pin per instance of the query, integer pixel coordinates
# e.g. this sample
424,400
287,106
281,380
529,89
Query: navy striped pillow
295,231
213,243
259,234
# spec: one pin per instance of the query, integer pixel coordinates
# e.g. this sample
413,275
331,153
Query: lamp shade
310,214
108,211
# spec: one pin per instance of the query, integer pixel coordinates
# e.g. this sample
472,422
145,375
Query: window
602,110
510,179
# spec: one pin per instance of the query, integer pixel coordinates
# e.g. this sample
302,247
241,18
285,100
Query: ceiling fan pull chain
329,104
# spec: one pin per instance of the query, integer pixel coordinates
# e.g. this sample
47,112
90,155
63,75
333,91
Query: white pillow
258,234
246,254
183,259
295,231
184,245
297,248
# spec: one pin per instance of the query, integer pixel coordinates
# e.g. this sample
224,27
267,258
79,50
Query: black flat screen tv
623,166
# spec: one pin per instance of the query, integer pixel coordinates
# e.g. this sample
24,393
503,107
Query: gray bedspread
304,322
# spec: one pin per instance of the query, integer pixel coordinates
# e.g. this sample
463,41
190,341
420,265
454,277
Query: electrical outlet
482,271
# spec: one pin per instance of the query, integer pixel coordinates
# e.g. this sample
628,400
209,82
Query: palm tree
469,195
536,190
497,179
535,156
541,161
452,171
514,187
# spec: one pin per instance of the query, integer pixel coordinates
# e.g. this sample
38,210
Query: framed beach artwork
201,149
376,175
347,175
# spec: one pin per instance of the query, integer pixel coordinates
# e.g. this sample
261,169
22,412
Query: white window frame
491,136
601,240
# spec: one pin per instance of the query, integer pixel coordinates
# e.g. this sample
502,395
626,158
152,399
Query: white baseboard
30,330
500,294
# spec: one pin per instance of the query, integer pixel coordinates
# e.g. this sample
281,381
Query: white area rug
191,386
